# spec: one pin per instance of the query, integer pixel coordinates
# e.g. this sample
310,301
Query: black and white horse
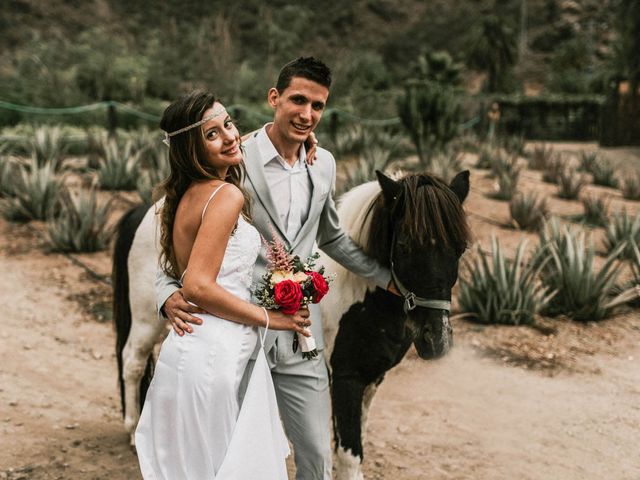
415,225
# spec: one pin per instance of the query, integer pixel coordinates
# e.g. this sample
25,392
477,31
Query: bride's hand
298,322
311,144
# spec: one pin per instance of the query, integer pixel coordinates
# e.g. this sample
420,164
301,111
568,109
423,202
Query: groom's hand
179,312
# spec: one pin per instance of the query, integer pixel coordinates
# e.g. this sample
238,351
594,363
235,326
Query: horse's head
426,232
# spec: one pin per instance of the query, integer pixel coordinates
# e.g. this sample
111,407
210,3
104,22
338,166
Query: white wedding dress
192,426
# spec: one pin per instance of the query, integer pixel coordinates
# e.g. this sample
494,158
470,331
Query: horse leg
347,397
135,356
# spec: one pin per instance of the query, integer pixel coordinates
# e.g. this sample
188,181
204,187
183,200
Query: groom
297,200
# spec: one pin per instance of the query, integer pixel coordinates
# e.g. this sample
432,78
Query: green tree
493,50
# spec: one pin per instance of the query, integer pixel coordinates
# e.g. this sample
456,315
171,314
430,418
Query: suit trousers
302,391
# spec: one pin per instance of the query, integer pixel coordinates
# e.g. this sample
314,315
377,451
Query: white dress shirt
290,186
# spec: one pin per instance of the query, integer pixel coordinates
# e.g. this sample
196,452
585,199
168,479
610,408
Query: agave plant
151,177
570,184
553,168
348,141
589,161
48,145
583,293
97,140
119,167
485,156
35,192
630,186
514,145
528,211
504,163
604,174
446,165
506,185
540,156
8,177
500,290
596,210
622,228
81,225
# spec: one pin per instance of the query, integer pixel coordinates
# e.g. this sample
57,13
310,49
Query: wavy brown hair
188,165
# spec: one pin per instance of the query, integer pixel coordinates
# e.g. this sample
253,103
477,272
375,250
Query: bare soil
560,400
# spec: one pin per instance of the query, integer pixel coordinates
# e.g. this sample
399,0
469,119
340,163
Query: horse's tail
125,233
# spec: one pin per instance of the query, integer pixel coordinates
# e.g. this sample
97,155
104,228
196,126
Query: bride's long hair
187,165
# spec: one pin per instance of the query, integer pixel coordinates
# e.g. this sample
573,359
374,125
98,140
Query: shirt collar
268,152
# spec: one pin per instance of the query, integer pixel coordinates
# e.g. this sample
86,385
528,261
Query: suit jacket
320,230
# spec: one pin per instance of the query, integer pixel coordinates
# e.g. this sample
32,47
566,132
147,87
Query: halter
411,300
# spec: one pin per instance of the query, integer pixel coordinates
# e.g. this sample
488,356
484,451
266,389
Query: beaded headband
167,135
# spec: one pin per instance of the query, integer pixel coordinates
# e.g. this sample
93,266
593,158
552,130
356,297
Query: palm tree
493,50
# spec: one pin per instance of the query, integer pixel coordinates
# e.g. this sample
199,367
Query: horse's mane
428,212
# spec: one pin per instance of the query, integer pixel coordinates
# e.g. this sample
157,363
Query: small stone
76,443
71,426
96,355
13,403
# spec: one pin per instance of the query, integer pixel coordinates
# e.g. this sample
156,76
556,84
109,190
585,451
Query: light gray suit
302,386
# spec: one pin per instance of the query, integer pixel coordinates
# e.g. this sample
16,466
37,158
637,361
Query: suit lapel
255,175
316,182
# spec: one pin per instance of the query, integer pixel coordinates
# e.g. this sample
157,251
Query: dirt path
468,416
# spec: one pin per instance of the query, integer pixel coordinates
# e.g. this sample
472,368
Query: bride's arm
200,285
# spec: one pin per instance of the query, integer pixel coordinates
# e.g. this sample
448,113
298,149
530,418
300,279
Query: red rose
319,285
288,294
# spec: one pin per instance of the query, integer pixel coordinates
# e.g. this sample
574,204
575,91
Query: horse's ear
460,185
390,188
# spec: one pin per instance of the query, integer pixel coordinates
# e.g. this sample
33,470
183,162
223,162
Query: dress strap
204,209
213,194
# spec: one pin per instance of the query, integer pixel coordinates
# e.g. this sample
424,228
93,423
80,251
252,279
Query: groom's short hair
305,67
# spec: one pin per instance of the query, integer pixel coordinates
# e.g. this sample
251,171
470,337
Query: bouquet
289,284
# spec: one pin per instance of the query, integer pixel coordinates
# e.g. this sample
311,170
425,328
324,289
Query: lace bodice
236,271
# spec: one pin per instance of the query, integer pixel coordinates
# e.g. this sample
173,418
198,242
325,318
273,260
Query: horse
414,225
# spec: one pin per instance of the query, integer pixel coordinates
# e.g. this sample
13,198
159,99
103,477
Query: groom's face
298,108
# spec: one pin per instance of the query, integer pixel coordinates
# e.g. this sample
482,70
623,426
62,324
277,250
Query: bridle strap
411,300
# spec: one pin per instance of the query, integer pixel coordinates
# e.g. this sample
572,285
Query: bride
192,426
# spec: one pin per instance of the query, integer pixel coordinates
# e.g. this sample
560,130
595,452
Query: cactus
430,111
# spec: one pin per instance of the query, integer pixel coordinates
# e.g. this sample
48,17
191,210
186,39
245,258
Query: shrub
596,210
604,174
48,145
630,186
570,183
540,156
504,163
81,225
34,195
528,211
119,167
500,290
582,293
622,228
552,169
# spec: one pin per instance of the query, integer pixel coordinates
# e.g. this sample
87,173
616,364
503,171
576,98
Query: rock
71,426
13,403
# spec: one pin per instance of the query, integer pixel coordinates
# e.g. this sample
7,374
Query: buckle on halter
409,301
